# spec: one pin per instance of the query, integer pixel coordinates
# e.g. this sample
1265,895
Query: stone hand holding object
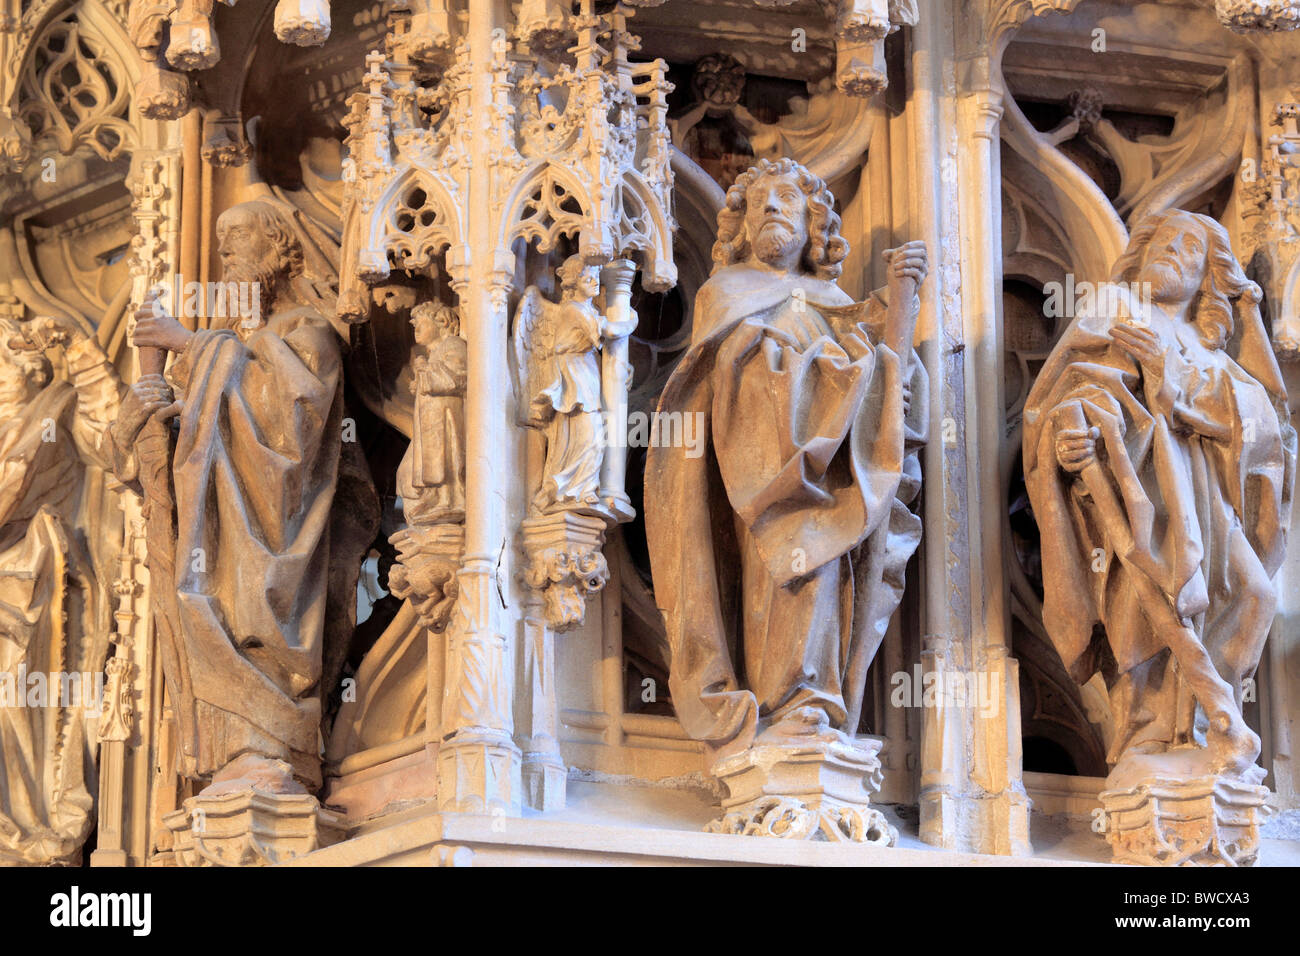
156,329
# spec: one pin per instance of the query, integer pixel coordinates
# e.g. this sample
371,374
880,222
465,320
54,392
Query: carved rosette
192,41
860,30
566,564
1209,821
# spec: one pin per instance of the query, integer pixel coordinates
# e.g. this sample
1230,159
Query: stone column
478,761
972,797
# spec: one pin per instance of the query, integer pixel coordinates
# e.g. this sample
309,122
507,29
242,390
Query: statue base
250,828
1206,821
811,791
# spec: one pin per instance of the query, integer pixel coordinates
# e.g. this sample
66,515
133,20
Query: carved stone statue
788,538
431,477
558,355
58,395
252,467
1160,461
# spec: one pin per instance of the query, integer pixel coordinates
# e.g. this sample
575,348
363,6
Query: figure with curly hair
1159,460
778,555
251,464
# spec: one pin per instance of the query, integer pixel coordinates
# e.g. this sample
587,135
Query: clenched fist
154,328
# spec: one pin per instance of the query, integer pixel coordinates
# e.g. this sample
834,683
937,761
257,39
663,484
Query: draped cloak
1203,518
568,401
255,469
430,478
55,612
778,554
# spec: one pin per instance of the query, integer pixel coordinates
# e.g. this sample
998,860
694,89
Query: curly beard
774,242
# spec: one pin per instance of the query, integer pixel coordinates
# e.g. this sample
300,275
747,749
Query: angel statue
556,353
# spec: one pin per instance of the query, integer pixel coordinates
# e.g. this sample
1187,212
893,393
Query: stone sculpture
1159,461
558,354
250,476
431,477
790,536
58,395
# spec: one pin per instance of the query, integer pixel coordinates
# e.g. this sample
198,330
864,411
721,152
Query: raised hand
909,264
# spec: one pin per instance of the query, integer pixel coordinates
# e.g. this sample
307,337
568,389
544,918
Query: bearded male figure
58,394
254,470
783,547
1160,460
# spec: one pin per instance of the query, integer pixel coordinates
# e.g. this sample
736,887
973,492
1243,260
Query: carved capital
162,94
223,141
860,66
428,561
566,564
115,722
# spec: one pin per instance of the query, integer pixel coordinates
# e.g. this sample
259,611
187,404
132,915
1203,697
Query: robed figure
58,395
255,465
778,555
431,476
1159,461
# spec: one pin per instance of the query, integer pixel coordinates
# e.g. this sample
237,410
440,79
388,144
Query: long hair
826,247
288,250
1222,290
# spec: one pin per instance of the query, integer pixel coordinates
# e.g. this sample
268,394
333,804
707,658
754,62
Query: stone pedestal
811,791
250,828
1206,821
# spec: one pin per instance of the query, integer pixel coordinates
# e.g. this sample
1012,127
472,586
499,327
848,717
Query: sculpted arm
908,267
93,378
